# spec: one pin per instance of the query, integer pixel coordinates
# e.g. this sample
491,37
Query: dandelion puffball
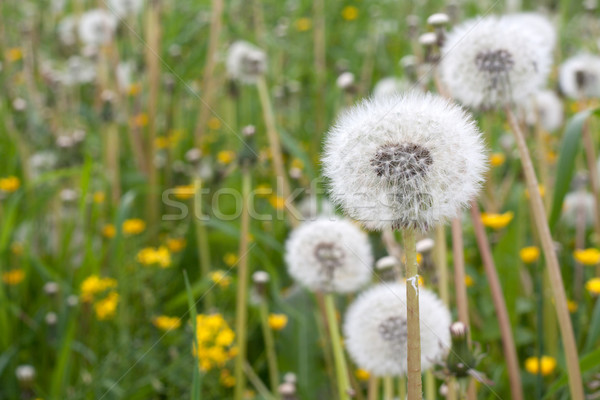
492,61
542,28
329,256
579,76
390,86
576,204
97,27
545,108
409,161
246,62
375,330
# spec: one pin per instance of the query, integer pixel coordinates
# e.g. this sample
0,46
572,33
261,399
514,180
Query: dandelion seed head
246,62
329,255
579,76
375,329
409,161
575,203
545,108
97,27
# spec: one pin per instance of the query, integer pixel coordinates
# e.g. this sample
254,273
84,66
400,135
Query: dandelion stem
429,385
556,281
373,389
343,381
275,148
269,346
242,286
202,241
441,263
402,387
508,343
415,385
388,387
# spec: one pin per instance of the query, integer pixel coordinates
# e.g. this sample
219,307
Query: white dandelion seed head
409,161
124,74
79,70
25,373
390,86
246,62
425,245
579,76
125,8
386,262
439,19
575,203
97,27
375,331
345,80
491,61
544,29
67,30
546,108
329,256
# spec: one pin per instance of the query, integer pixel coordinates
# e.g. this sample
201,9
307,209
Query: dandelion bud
248,130
19,104
429,41
375,329
51,318
72,300
246,62
51,288
425,245
68,195
25,375
193,155
329,256
287,391
260,279
458,330
444,391
387,267
290,377
409,64
412,21
438,20
248,155
461,359
345,81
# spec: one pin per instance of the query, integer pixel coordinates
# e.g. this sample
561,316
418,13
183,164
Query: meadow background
93,292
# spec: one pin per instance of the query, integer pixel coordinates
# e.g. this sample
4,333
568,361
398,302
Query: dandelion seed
329,256
375,329
409,161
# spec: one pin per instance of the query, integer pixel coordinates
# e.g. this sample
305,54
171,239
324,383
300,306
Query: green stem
341,369
402,387
388,387
430,391
269,347
202,241
441,263
415,386
242,288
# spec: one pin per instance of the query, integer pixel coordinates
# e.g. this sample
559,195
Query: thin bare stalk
415,386
202,241
556,281
388,387
209,83
256,382
430,392
580,225
373,389
441,263
269,347
508,343
320,66
112,155
242,286
393,249
402,387
341,369
590,155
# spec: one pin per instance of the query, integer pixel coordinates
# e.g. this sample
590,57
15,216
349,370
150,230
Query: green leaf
569,147
594,330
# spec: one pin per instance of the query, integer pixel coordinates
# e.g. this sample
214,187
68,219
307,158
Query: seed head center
400,163
494,61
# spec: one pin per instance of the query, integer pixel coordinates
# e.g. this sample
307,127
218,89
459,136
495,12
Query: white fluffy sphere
579,76
329,256
543,29
246,62
578,202
546,108
491,61
97,27
376,333
410,161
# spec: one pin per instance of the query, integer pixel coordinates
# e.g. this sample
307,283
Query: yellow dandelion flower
551,157
176,244
134,226
529,254
230,259
278,321
593,286
469,281
184,192
303,24
350,13
277,202
134,89
13,277
225,157
17,248
161,142
497,159
140,120
107,307
166,323
264,190
214,123
225,337
362,374
151,255
220,278
544,365
109,231
572,306
297,163
496,221
98,197
14,54
93,285
587,256
226,378
10,184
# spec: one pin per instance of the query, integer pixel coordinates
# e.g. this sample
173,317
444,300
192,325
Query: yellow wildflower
593,286
107,307
278,321
98,197
9,184
166,323
362,374
176,244
230,259
134,226
496,221
150,255
109,231
277,202
572,306
263,190
134,89
93,285
225,337
469,281
544,365
214,123
140,120
551,156
17,248
303,24
184,192
588,256
226,378
497,159
529,254
220,278
226,157
14,54
161,142
350,13
213,341
13,277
